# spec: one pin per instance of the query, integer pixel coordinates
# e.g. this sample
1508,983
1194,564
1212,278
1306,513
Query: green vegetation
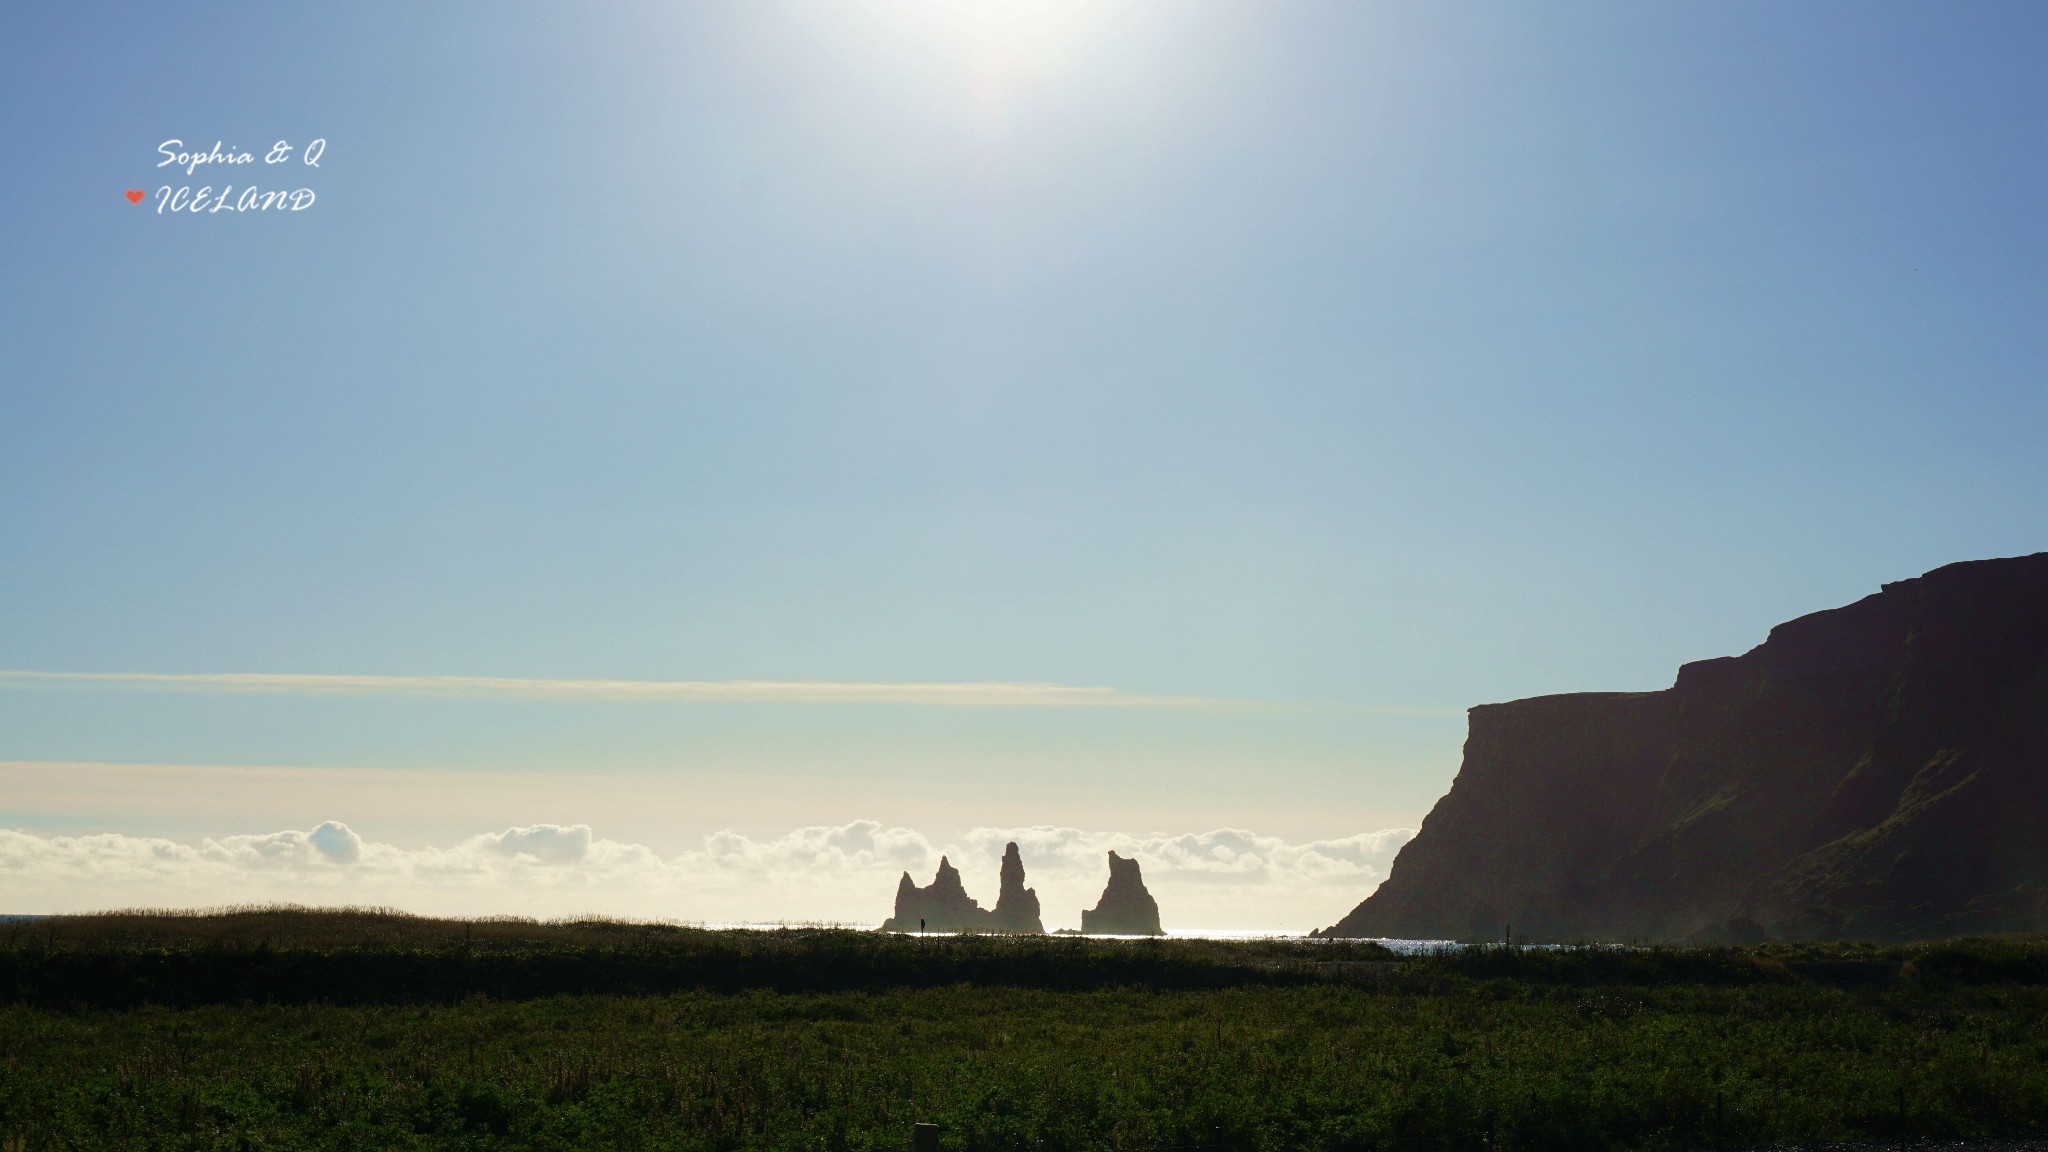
292,1029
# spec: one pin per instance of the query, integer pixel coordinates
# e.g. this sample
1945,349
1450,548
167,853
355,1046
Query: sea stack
1125,909
1016,907
943,906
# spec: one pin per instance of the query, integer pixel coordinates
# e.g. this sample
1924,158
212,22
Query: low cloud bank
1226,878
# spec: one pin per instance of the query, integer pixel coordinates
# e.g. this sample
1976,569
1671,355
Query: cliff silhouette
1877,771
1126,908
944,905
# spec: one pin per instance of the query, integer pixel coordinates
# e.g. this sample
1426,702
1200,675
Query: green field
303,1030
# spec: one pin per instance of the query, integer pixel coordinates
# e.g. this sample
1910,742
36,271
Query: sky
699,460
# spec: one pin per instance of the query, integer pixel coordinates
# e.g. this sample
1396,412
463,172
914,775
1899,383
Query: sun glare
1003,40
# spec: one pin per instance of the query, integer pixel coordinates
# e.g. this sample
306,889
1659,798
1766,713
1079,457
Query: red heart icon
135,195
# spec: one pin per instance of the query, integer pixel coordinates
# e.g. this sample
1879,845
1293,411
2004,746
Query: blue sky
1348,364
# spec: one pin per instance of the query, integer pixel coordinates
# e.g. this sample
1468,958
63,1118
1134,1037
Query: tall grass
1278,1045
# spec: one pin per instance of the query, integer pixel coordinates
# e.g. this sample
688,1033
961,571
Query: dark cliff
1126,908
1876,771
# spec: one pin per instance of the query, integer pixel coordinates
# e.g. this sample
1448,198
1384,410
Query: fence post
924,1138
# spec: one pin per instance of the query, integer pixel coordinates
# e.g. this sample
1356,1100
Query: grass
831,1041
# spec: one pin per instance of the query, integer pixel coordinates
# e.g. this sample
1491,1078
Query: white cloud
1227,878
863,845
1226,854
337,841
546,843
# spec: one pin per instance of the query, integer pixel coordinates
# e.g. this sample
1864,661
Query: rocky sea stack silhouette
945,906
1016,907
1125,909
1877,772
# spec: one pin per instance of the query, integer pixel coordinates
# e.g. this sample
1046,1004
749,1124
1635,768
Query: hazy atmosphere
700,461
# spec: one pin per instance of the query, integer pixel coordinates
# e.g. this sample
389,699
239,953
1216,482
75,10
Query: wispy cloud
1223,878
966,694
956,694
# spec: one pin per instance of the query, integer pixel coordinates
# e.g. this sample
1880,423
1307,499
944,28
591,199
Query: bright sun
1004,40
